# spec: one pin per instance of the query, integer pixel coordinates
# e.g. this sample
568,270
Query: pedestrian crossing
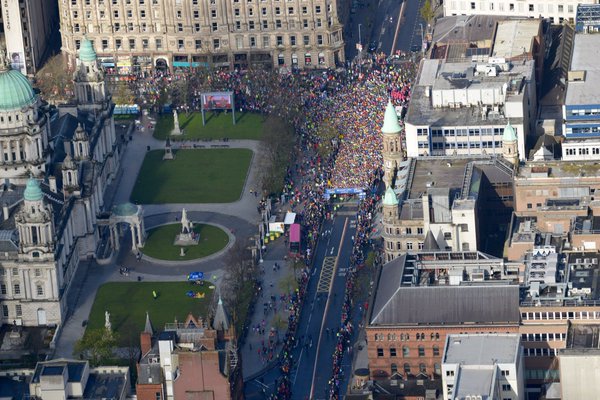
327,272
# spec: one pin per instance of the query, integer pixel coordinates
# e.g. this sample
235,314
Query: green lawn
218,126
159,243
194,176
127,303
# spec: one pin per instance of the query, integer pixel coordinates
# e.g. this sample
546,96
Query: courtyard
159,242
218,126
128,302
194,176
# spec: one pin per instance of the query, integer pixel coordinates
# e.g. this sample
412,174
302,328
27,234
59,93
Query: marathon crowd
353,102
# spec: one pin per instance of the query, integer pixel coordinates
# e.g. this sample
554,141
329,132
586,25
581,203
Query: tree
427,11
278,141
97,345
55,80
123,95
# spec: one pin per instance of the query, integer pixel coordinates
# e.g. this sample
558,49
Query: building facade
556,11
27,28
418,303
486,366
54,177
133,36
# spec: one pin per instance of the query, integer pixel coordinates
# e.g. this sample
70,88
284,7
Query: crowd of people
351,102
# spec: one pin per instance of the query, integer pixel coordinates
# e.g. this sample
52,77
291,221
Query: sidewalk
257,353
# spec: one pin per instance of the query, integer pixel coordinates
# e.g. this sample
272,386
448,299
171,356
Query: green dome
86,51
390,199
15,90
509,134
33,192
125,209
390,120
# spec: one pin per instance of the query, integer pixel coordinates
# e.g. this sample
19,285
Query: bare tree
55,80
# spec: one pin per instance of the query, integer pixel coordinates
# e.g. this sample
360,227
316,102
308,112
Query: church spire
148,326
221,321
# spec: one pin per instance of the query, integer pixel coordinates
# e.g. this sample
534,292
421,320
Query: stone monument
168,151
176,129
187,236
107,323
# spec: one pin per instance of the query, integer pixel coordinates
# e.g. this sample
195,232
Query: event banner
217,101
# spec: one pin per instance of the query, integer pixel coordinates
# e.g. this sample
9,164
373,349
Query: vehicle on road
373,46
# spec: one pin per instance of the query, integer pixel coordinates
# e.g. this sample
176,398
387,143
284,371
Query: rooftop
515,37
437,172
531,171
470,29
399,301
584,58
482,349
584,275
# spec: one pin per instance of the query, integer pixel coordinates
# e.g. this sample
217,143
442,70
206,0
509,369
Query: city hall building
132,36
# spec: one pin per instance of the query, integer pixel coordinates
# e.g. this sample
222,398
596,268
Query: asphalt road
409,33
321,311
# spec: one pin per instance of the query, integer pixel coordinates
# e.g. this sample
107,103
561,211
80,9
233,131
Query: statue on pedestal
107,323
176,129
187,237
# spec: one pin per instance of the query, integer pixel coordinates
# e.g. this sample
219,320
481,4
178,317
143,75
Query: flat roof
437,172
465,28
515,37
474,382
482,349
530,171
584,58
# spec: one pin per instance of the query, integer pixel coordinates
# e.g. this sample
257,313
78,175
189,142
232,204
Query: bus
295,247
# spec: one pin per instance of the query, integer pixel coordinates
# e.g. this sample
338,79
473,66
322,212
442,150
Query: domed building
55,167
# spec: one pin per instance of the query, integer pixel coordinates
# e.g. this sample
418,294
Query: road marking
326,277
397,28
312,382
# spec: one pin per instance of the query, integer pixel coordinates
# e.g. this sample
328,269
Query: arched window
436,351
422,368
421,351
394,369
437,336
405,351
437,369
39,289
406,368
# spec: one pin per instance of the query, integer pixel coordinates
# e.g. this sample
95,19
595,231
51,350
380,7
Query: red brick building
409,321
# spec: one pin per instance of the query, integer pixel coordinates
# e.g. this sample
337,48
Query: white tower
393,153
90,87
34,222
81,144
510,146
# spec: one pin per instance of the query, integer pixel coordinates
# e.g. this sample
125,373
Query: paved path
240,217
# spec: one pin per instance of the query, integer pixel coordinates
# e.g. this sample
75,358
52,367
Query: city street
321,314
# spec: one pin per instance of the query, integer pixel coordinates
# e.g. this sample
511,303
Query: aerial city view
299,199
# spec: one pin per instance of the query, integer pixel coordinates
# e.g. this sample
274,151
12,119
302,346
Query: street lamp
359,35
422,39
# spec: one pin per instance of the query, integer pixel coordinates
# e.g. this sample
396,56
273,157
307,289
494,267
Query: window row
557,315
398,246
582,151
435,351
540,352
18,311
392,337
462,132
17,290
517,7
404,231
542,337
407,369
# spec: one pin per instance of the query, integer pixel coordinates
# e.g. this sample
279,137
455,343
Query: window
449,373
394,369
293,40
317,9
158,396
158,43
436,351
279,40
266,41
129,14
5,311
406,368
265,25
216,44
16,289
278,23
561,8
252,41
422,368
215,26
409,231
409,246
472,5
291,10
529,205
104,44
132,44
19,310
447,235
405,351
39,289
196,14
306,40
118,43
116,13
419,231
3,288
421,351
180,27
505,387
251,25
505,372
213,13
531,7
180,44
379,352
392,352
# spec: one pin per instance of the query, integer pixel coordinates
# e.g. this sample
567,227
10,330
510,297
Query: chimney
52,183
5,211
145,343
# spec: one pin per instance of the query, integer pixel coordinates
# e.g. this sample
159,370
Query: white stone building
557,11
138,35
54,176
483,366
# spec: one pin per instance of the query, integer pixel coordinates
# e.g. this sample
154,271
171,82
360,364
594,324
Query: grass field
194,176
127,303
218,126
159,243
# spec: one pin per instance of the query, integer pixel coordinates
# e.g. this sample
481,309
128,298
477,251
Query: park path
133,158
240,217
